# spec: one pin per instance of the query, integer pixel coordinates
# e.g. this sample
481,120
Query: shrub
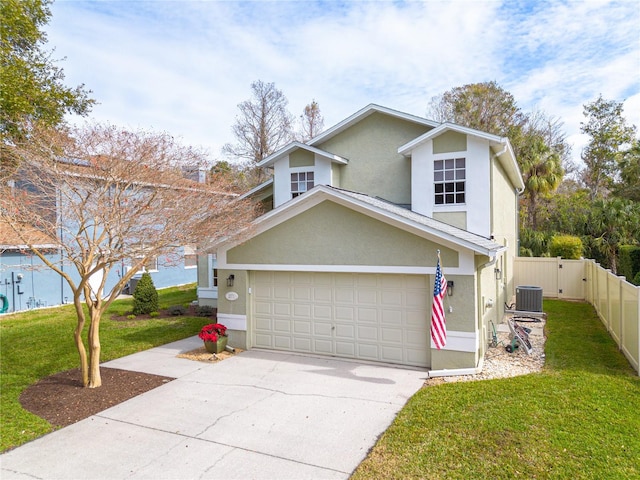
566,246
629,262
177,310
154,314
205,311
525,252
131,317
145,296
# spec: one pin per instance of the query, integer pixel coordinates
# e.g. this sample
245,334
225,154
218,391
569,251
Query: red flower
211,332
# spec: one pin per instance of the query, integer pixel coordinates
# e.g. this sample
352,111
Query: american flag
438,324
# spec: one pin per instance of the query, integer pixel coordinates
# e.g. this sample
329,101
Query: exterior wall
504,225
298,161
478,176
375,167
207,291
232,310
42,287
355,239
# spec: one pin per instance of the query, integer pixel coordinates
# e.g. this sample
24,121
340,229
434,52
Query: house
26,282
343,261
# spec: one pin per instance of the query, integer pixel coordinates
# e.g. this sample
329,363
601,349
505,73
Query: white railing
616,300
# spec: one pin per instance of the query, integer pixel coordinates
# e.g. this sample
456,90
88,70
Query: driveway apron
259,414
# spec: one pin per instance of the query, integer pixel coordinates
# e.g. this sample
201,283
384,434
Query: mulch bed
62,400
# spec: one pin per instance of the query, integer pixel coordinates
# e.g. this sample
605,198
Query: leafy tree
484,106
31,85
612,222
609,133
312,121
263,126
109,196
629,184
145,296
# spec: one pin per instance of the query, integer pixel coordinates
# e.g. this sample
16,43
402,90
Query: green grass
578,418
38,343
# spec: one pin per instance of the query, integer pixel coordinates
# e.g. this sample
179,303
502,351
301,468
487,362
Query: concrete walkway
259,415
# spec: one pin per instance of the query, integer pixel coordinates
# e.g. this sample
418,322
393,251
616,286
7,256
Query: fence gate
558,278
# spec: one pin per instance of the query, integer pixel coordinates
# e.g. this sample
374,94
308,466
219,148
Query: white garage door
375,317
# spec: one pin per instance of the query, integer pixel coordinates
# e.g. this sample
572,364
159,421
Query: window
300,183
215,277
449,180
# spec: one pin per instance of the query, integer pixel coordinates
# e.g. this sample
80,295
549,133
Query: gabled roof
293,146
505,153
259,188
362,114
10,240
384,210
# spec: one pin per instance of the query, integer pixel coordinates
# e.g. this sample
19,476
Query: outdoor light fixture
498,274
450,287
230,280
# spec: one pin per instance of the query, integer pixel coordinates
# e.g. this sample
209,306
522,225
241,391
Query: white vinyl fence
616,300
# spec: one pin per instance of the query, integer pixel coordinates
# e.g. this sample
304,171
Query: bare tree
263,126
110,196
311,121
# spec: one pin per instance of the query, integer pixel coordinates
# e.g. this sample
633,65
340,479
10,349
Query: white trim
364,113
233,321
460,341
293,146
466,269
458,371
209,293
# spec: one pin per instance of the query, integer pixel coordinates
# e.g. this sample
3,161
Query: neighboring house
343,262
26,282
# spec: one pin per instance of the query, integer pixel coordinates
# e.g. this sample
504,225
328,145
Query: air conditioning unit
528,298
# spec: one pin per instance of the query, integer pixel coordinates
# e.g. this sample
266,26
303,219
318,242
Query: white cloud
184,66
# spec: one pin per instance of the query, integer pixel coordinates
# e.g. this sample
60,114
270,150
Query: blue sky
183,66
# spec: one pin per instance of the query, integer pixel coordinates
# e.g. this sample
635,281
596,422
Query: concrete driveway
260,414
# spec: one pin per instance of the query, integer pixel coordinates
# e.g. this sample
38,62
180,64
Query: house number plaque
231,296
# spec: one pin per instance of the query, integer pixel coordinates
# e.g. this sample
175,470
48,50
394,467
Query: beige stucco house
343,261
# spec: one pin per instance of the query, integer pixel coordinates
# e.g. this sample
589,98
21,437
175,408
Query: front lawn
39,343
578,418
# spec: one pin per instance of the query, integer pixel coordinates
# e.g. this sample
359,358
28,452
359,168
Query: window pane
460,187
449,175
438,165
460,198
439,188
438,176
294,177
459,162
294,187
448,164
310,185
309,175
460,175
448,187
449,198
439,199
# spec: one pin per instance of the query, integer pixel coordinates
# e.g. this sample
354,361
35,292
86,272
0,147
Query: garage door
374,317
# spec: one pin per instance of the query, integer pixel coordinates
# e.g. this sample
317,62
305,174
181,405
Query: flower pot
216,347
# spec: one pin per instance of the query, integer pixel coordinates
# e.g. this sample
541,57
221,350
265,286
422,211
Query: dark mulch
62,400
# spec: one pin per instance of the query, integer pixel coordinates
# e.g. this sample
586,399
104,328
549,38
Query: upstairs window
300,183
449,181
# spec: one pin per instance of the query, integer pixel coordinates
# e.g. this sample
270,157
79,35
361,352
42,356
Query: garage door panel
368,351
301,345
302,327
392,298
323,328
367,297
393,335
302,310
367,333
378,317
323,346
391,354
346,349
345,314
